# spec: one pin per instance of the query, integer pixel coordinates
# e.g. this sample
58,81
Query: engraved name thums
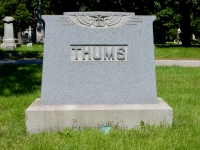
98,52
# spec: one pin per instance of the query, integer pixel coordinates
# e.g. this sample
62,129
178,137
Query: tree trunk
185,24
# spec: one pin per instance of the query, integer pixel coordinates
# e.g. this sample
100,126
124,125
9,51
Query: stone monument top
8,19
98,58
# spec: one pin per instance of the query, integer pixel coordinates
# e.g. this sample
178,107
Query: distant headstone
29,35
193,37
19,37
10,48
178,36
25,36
40,33
98,66
10,37
40,27
29,44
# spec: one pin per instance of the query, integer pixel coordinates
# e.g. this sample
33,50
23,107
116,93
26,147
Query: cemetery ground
177,52
179,86
23,52
162,51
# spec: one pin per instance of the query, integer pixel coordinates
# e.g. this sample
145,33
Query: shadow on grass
173,45
19,79
20,55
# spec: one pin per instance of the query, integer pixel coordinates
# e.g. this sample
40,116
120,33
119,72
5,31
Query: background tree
195,19
171,14
183,16
21,10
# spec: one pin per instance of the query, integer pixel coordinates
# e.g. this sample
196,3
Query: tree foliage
21,10
171,14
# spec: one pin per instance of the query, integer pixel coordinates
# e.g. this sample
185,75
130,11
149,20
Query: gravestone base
10,48
8,43
57,117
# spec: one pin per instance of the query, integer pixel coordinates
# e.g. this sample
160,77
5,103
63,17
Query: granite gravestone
106,58
97,66
10,38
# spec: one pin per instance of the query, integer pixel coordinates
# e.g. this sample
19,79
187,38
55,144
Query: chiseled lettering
109,54
76,52
121,53
88,52
99,52
95,56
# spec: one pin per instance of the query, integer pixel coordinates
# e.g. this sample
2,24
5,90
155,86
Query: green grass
162,51
178,86
35,48
171,51
23,52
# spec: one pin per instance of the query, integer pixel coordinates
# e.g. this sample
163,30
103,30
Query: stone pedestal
9,39
57,117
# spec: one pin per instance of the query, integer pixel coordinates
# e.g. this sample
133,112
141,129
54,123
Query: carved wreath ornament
99,21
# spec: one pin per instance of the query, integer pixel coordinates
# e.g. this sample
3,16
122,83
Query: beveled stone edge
161,105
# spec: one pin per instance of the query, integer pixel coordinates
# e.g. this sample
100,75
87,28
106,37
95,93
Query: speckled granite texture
98,82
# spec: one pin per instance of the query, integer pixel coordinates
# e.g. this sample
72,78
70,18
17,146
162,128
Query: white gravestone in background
29,35
97,66
40,33
40,26
9,39
29,38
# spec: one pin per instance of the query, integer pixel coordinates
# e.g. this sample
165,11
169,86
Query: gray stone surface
29,35
58,117
40,33
19,37
10,48
29,44
130,81
8,27
9,39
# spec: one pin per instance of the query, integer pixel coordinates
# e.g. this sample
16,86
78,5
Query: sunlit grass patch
23,52
176,52
178,86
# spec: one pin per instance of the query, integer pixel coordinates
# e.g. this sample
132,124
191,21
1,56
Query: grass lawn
162,51
169,51
178,86
23,52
